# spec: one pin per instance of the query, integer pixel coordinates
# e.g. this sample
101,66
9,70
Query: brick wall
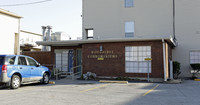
116,66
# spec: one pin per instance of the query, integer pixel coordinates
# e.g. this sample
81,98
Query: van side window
11,60
31,62
22,61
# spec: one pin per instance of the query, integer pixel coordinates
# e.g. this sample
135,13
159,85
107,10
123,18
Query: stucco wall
108,17
187,32
8,27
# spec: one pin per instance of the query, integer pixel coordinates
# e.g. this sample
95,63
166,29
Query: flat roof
169,39
9,13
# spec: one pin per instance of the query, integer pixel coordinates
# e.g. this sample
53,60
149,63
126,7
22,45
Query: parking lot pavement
67,92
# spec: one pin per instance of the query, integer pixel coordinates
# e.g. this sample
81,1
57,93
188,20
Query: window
135,56
10,60
128,3
31,62
2,60
22,61
194,57
129,29
89,33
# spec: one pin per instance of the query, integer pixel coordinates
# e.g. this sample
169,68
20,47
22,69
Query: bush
176,69
122,78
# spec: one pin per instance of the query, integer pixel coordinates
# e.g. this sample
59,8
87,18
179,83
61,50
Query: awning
168,39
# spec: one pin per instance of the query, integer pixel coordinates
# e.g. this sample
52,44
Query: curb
52,82
107,81
196,79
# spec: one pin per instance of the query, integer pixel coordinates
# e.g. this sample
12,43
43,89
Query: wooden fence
43,57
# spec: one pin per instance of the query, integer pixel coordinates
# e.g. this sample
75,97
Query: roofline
79,42
9,13
31,33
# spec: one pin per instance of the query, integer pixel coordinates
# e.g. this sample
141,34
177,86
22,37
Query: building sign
101,55
148,59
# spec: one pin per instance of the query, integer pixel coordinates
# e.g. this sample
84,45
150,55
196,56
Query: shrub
122,78
176,69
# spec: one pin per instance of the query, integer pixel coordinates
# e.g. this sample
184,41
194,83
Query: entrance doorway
64,59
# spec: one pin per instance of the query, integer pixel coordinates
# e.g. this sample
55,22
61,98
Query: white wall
8,28
29,38
152,18
187,32
108,17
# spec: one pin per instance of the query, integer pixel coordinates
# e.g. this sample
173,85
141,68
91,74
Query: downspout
174,24
174,31
164,60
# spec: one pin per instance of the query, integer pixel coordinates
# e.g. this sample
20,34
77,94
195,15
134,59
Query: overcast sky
62,15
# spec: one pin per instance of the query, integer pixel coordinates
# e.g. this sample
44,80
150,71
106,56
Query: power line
25,3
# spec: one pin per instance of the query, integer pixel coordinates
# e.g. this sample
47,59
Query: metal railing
77,73
62,70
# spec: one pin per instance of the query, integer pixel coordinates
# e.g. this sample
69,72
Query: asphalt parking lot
67,92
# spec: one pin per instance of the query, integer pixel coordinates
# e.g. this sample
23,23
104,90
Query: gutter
164,60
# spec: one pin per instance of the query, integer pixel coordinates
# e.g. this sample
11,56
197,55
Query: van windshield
2,60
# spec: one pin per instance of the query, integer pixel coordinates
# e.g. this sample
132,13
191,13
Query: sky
62,15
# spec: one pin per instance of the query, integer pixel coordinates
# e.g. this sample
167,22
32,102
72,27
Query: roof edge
9,13
78,42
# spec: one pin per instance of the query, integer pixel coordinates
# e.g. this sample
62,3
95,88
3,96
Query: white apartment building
9,33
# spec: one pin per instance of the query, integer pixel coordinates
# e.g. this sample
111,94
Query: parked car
19,69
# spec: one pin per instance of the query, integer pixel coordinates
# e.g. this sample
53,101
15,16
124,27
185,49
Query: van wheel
15,82
45,78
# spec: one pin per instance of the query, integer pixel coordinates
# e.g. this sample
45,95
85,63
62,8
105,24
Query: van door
24,69
36,72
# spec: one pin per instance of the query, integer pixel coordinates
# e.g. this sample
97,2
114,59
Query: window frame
195,57
134,61
129,28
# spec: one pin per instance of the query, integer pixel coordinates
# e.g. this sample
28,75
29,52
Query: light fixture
101,48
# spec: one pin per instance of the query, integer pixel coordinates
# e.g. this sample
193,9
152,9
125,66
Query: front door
64,60
70,60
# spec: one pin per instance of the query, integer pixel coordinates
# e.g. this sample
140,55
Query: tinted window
10,60
31,62
1,60
22,61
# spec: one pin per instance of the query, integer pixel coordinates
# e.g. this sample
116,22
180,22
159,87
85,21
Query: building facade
135,38
147,18
9,33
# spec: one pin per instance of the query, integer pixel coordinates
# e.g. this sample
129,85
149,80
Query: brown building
132,57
